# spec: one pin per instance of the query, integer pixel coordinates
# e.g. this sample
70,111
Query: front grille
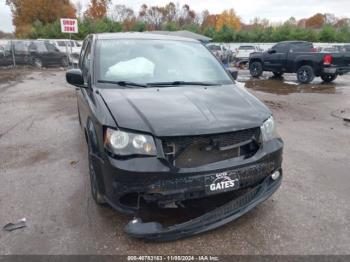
194,151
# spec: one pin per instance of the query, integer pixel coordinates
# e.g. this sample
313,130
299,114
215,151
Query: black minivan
166,125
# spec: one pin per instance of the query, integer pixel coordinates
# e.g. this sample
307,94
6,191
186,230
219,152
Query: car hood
185,110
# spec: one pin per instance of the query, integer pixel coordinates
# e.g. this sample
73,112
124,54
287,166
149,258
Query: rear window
38,47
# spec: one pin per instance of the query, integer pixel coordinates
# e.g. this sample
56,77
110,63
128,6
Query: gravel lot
44,176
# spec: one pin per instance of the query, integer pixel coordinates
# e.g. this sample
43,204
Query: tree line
40,19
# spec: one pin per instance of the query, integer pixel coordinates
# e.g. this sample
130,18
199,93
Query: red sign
69,25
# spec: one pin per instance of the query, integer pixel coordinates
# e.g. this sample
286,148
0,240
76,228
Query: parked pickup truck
299,57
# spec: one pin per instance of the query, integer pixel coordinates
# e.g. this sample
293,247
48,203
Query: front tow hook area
224,214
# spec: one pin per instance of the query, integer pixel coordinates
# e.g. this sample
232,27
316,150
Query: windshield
157,61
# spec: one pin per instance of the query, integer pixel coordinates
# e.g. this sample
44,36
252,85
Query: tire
277,74
95,188
37,62
305,74
328,77
256,69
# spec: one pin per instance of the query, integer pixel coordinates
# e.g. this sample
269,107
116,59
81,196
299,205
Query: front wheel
328,77
95,188
256,69
305,74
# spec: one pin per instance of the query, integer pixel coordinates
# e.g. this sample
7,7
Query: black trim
216,218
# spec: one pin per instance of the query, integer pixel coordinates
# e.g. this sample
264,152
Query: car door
54,55
21,52
275,57
84,94
39,50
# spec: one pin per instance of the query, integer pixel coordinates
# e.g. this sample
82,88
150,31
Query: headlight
125,143
268,129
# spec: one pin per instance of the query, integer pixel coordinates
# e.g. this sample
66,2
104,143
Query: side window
281,47
40,47
50,47
86,59
82,52
19,47
301,47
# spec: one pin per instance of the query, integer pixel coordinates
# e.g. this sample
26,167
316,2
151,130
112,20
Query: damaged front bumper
226,213
132,182
155,182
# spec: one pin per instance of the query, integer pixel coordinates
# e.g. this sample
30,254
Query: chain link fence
39,53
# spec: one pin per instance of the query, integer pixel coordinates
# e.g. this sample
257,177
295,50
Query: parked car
32,52
70,47
164,124
44,53
21,54
299,57
244,51
66,45
225,55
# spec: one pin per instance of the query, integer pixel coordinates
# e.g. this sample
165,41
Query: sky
273,10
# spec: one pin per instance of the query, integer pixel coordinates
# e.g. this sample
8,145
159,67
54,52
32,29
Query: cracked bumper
222,215
157,183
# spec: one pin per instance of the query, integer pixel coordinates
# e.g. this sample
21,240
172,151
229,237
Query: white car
244,51
221,52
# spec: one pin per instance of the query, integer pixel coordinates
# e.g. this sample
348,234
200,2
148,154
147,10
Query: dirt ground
44,175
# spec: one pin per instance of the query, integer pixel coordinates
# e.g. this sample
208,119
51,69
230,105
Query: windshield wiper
182,83
122,83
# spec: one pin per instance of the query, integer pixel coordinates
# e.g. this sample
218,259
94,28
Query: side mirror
75,77
233,73
271,51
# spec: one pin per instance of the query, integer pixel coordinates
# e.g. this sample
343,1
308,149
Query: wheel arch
252,60
91,137
304,62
